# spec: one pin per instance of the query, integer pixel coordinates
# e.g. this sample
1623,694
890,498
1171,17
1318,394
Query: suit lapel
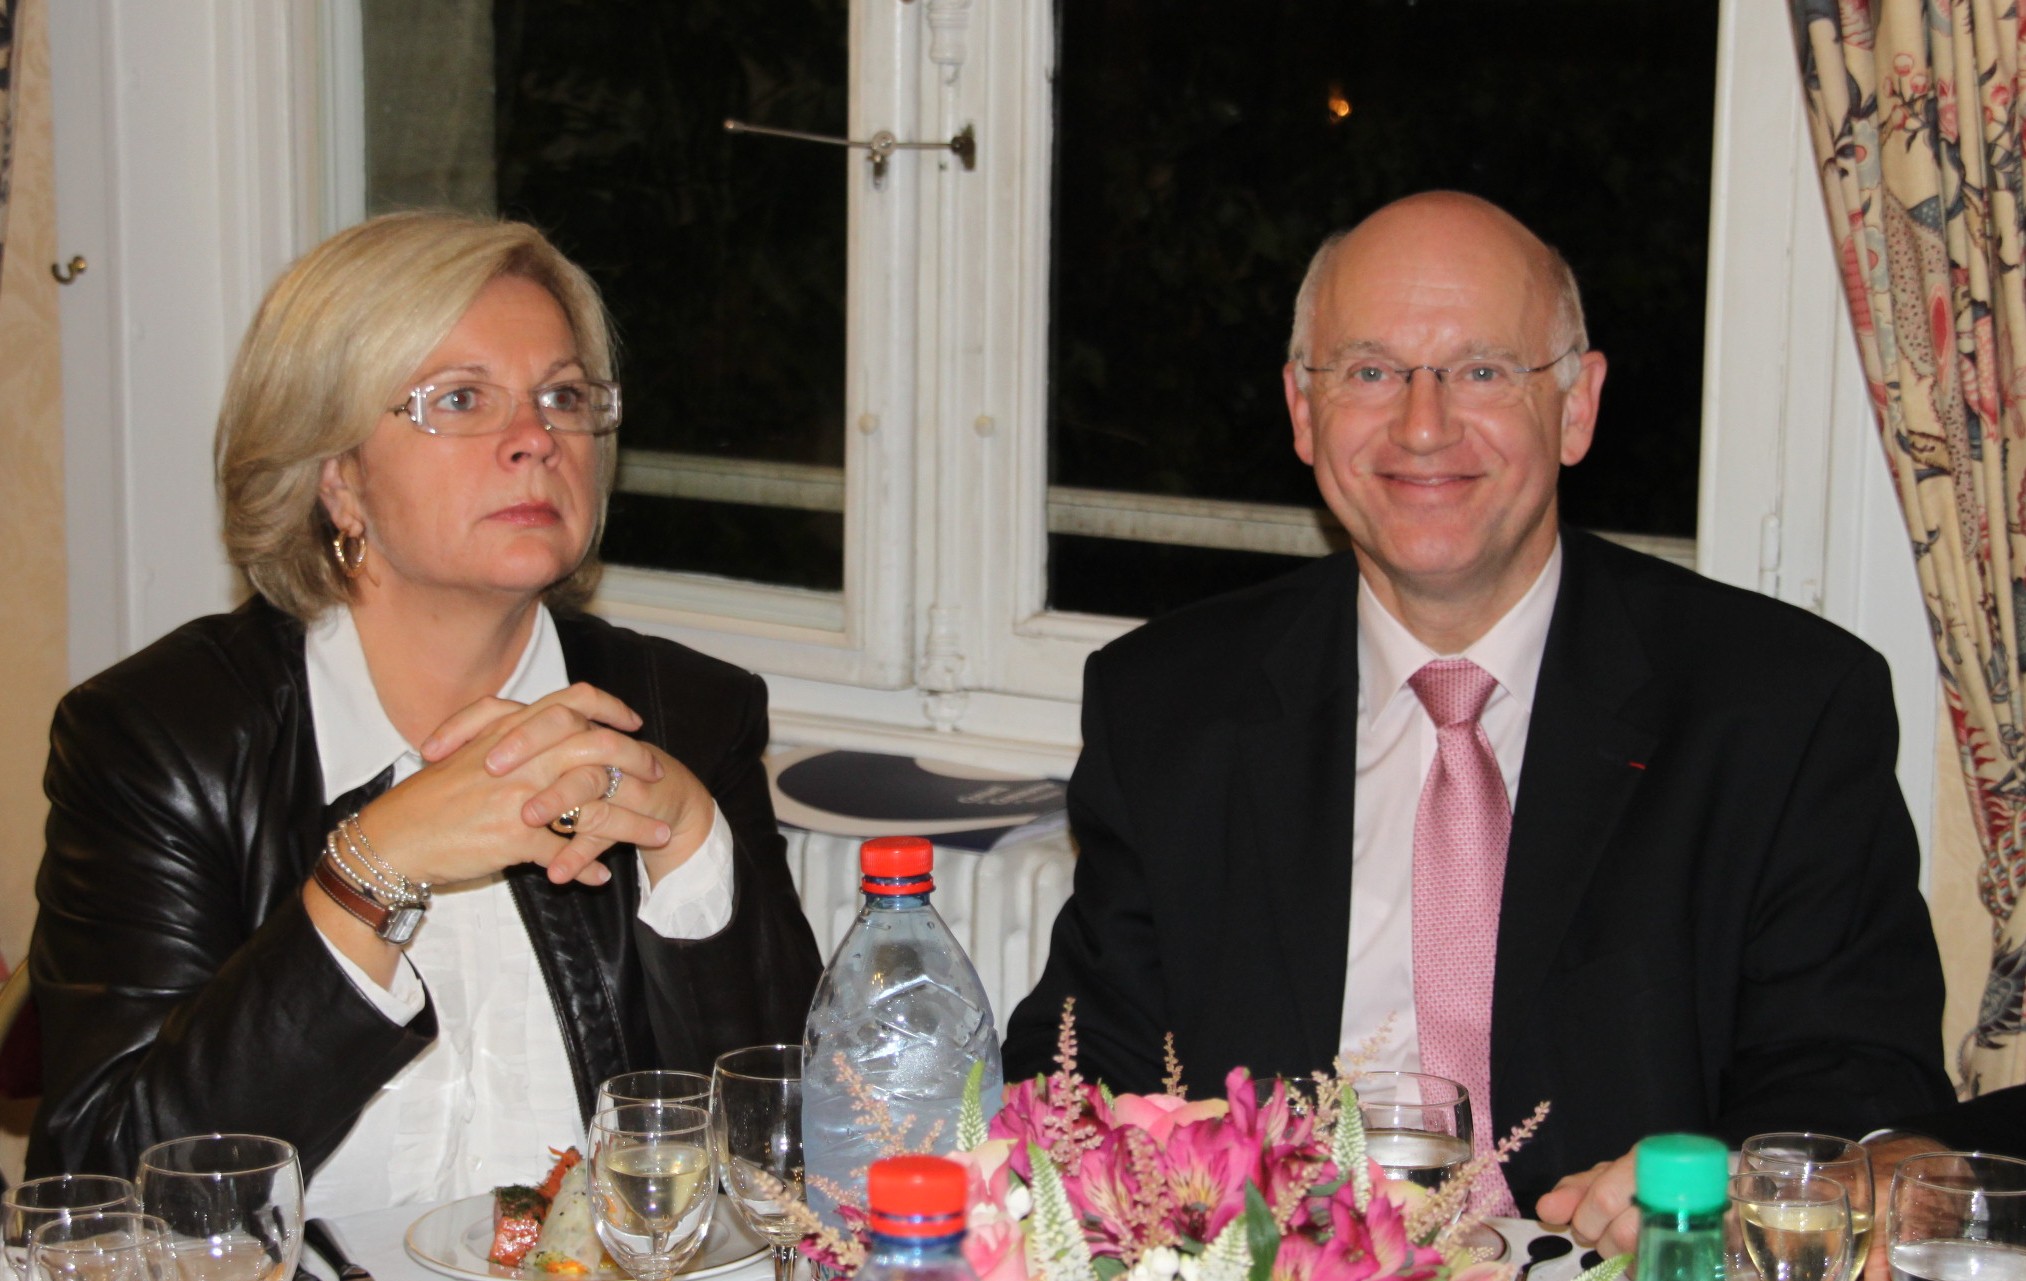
1300,769
1583,763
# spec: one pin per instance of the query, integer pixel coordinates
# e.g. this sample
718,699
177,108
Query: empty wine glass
233,1204
52,1199
104,1245
1953,1216
651,1184
1829,1157
756,1131
655,1085
1796,1227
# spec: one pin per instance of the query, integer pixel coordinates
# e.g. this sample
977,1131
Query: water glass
655,1085
1955,1216
53,1199
1828,1157
1417,1126
233,1204
652,1185
1795,1227
756,1135
104,1245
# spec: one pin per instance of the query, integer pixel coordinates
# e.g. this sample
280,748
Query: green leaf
1609,1270
1262,1237
1108,1266
971,1111
1347,1150
1104,1092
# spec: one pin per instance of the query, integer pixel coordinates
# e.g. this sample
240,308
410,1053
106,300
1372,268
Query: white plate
453,1239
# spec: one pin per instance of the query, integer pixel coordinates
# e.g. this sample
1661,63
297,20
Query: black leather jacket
181,986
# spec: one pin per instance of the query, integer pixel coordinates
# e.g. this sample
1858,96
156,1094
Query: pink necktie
1460,835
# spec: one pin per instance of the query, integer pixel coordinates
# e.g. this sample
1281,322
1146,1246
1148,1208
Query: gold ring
565,823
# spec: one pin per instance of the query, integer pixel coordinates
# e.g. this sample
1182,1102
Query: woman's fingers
466,724
551,720
599,826
580,775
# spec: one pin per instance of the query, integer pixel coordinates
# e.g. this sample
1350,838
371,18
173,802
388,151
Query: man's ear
337,488
1579,408
1297,413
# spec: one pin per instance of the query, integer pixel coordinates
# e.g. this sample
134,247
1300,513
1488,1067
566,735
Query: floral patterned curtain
7,10
1914,110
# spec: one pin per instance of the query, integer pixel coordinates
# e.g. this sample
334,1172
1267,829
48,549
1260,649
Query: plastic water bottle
1682,1187
917,1221
901,1006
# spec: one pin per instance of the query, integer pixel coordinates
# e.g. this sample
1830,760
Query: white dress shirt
1396,746
493,1093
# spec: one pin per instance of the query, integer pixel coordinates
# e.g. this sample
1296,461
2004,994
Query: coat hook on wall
68,271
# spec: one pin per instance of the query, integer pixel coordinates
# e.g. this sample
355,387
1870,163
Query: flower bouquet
1069,1182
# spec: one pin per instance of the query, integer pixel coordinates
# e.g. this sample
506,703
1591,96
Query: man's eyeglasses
1485,382
580,407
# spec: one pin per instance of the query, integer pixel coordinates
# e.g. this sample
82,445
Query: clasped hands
497,773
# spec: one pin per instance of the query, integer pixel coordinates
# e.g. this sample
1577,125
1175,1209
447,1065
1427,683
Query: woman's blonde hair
329,351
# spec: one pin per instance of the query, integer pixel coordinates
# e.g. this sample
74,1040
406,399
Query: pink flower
1902,63
1107,1188
1207,1166
1380,1235
985,1168
997,1252
1160,1114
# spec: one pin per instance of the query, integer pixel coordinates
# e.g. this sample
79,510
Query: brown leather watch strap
396,925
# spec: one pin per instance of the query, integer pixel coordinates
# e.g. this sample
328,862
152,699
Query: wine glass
103,1245
1957,1215
233,1203
1829,1157
756,1132
655,1085
651,1184
1796,1227
52,1199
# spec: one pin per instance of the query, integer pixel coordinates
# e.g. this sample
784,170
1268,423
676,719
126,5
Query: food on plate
569,1242
549,1229
517,1214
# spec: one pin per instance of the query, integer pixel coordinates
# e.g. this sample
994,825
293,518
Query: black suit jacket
1710,918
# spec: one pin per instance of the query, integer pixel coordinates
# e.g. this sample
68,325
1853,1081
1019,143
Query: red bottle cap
896,865
916,1196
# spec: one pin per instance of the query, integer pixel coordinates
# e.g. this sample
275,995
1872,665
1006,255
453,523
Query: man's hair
1568,334
330,350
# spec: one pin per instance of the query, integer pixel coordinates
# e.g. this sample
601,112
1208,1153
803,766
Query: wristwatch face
401,924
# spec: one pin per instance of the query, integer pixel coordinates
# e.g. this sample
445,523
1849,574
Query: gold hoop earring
349,562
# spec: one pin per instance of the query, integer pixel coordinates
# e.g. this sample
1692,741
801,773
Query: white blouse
493,1093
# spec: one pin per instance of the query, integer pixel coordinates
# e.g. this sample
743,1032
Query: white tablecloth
375,1243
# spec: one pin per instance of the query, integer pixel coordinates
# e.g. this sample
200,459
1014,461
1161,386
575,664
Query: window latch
877,148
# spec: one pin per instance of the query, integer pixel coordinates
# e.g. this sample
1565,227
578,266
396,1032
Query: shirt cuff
695,900
399,1004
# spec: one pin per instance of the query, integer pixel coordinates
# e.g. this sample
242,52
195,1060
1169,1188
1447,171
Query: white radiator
1001,905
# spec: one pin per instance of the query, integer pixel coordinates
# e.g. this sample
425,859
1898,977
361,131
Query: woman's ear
337,487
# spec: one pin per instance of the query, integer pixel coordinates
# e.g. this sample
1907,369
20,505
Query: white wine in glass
1796,1227
1826,1156
651,1185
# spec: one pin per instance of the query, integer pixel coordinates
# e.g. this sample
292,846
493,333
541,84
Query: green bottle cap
1682,1174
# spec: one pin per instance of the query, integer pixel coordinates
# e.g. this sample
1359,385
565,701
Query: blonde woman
401,858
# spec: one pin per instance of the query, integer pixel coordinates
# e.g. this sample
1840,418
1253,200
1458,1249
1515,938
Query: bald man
1655,870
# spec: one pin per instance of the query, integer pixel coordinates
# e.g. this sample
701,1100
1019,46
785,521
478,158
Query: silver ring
565,823
612,778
